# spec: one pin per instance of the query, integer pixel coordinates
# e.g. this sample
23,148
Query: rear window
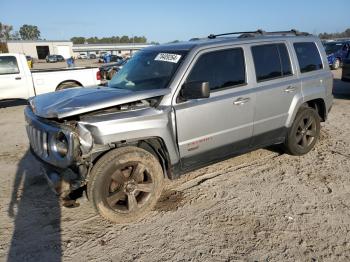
8,65
271,61
308,57
222,69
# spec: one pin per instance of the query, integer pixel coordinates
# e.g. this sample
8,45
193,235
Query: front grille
42,135
38,141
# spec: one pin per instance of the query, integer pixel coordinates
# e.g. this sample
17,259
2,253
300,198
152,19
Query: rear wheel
125,184
67,85
303,134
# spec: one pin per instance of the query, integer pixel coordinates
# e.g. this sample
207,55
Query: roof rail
261,32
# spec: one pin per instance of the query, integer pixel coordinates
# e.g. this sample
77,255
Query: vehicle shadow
13,102
36,213
341,89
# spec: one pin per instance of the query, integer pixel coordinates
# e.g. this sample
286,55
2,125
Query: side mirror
195,90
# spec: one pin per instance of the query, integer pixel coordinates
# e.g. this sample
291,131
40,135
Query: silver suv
176,107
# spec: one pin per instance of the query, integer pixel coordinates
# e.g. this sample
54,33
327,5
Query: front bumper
62,181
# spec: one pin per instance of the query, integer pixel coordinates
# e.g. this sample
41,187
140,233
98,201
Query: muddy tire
67,85
303,134
125,184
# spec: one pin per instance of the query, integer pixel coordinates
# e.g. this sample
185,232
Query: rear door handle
289,89
241,101
18,78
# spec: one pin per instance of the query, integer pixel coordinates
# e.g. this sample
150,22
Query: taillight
98,75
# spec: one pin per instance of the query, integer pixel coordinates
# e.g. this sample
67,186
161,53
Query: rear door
13,82
277,85
214,127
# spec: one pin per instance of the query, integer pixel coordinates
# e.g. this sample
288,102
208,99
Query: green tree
5,31
125,39
78,40
29,32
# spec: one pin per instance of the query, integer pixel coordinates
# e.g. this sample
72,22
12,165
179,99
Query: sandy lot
262,206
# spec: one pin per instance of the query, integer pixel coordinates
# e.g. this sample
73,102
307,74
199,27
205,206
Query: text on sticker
172,58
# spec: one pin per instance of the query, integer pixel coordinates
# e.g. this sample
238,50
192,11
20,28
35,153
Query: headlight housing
61,145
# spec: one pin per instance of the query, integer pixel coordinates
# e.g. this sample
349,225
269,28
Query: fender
308,94
132,126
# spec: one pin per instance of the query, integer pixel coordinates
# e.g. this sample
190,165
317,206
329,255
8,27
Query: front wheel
304,132
125,184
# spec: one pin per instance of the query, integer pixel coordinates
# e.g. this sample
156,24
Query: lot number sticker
172,58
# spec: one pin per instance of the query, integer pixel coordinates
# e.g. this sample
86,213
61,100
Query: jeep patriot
177,107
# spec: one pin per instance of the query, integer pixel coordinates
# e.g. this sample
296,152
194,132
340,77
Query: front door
13,82
211,128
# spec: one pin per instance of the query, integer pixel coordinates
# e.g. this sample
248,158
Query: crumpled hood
75,101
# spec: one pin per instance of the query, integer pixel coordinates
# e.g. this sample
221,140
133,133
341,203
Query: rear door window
8,65
222,69
271,61
308,56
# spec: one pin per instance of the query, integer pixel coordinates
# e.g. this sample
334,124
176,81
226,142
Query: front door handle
241,101
289,89
18,78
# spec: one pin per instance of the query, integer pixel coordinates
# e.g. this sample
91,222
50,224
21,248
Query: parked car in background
83,56
18,82
346,69
108,70
102,54
107,58
30,61
177,107
59,58
92,56
116,58
336,52
51,59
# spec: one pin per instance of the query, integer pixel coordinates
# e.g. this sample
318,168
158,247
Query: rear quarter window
271,61
8,65
308,56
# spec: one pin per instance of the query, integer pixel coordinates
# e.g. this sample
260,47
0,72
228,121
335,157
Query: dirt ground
261,206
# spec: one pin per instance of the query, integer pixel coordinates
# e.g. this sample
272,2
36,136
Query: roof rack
261,32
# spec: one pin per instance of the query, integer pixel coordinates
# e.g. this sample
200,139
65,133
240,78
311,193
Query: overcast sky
165,21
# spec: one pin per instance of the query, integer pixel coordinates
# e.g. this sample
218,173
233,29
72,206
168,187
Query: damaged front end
68,147
60,148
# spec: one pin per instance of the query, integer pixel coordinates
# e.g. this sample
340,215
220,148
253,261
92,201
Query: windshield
148,70
333,47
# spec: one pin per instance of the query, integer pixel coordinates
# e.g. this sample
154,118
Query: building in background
114,49
39,49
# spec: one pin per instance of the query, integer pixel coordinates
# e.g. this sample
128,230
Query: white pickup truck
17,81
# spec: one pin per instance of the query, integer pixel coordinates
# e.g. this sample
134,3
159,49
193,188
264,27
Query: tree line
108,40
345,34
32,32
